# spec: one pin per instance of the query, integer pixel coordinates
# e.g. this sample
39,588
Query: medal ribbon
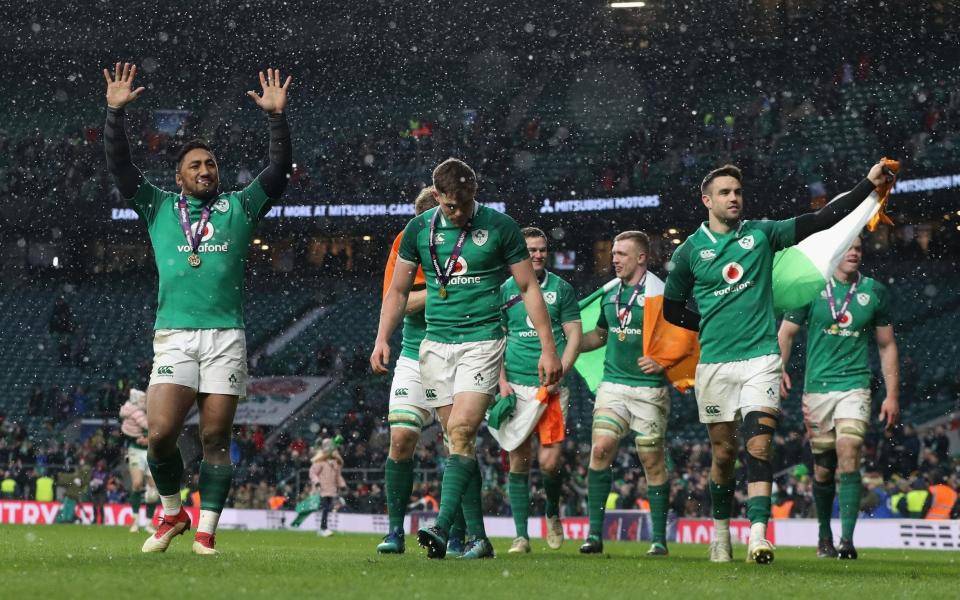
193,242
831,302
444,276
621,318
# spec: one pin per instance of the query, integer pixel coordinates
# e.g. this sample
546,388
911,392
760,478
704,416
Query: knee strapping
852,429
648,444
824,443
406,419
826,460
609,426
758,430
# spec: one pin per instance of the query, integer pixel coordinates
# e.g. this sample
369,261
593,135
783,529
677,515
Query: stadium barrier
624,525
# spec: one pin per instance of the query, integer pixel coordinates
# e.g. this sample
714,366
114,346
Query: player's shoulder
509,284
421,221
870,284
493,217
563,285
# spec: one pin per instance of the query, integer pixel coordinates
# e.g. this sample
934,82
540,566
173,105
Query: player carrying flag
726,265
535,410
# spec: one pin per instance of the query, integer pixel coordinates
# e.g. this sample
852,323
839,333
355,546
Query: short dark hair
425,200
724,171
455,178
533,232
642,240
191,145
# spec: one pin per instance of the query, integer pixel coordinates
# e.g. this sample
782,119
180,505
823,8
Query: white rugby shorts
449,369
211,361
645,410
406,391
525,418
725,390
137,459
821,411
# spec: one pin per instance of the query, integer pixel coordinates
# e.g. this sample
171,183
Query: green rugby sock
398,477
552,485
758,509
518,490
659,496
214,486
456,476
151,510
458,531
823,494
849,503
598,488
136,498
472,505
721,496
167,473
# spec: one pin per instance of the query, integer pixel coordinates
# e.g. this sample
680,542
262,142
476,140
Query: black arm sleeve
125,174
274,178
677,313
832,213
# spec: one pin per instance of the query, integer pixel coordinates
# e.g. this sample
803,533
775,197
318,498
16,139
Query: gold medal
442,292
622,336
834,328
193,260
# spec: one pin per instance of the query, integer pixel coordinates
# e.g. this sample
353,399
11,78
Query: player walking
134,427
836,392
464,248
200,239
632,396
519,378
727,265
409,412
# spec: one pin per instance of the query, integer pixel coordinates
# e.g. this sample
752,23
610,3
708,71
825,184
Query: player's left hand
274,98
890,412
550,368
380,358
880,174
649,366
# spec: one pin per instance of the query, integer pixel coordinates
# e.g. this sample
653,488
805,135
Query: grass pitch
96,563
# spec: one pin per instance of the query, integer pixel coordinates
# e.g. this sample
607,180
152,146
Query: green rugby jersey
211,295
414,328
837,358
471,310
522,357
620,363
731,278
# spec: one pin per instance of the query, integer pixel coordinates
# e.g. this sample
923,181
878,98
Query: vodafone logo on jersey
208,231
732,272
461,267
845,320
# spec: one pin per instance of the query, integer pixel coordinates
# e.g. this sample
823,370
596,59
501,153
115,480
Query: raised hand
274,98
119,92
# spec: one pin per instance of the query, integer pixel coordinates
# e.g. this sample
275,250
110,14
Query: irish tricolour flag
800,272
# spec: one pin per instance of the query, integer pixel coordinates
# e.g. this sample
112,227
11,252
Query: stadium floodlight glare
627,4
367,238
256,242
264,247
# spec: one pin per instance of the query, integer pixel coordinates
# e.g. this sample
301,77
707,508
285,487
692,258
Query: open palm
274,96
120,91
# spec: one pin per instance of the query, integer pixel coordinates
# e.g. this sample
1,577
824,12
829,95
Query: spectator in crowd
327,479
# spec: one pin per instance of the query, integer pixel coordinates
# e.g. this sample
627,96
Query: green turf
68,561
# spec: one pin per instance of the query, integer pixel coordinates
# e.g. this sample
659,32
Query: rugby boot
434,540
393,543
593,545
170,527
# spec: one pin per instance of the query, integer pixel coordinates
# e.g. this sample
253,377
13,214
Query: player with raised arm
519,380
200,238
464,248
409,412
727,266
836,391
631,397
